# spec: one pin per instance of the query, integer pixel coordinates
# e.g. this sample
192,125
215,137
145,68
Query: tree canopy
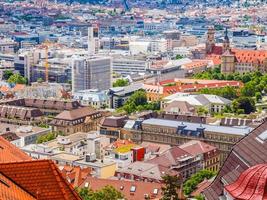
170,188
107,193
120,83
138,102
191,184
17,79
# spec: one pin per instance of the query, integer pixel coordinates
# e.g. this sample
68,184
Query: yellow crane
46,45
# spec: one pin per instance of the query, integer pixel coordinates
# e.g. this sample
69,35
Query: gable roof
249,151
41,178
196,147
170,157
10,153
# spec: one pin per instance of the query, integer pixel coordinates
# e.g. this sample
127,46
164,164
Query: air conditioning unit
90,157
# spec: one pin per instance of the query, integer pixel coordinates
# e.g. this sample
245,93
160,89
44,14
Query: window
155,191
133,188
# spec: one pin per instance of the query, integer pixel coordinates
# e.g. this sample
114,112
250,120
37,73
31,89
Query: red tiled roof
124,187
41,178
170,157
76,175
11,191
251,184
196,147
10,153
250,56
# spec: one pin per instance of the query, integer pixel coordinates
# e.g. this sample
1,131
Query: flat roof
211,128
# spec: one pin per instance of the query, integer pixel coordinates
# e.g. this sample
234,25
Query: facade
127,66
177,133
93,98
112,127
93,40
83,119
209,155
119,95
91,73
7,46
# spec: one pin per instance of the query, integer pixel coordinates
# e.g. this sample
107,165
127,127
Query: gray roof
193,126
120,91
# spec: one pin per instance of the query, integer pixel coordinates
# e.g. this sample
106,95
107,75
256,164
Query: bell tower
210,42
226,42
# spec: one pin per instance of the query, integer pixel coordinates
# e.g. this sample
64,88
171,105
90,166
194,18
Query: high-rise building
93,40
91,72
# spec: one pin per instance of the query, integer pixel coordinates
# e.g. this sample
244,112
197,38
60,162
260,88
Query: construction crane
45,45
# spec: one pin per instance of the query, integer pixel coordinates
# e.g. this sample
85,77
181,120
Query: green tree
202,110
178,57
170,188
258,96
107,193
245,103
191,184
17,79
120,83
7,74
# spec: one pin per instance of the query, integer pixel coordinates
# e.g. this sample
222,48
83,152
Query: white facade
130,66
93,40
94,98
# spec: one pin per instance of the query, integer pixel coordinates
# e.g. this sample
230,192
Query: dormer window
133,188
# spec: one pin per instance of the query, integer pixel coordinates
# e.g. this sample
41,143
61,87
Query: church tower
226,42
210,42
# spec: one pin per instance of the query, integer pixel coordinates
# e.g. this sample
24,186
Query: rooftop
211,128
41,179
10,153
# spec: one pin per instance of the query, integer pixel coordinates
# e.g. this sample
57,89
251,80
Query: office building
91,73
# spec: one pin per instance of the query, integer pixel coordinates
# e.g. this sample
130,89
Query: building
7,46
21,136
112,127
209,155
251,150
165,88
101,168
132,190
11,153
128,65
93,40
91,73
93,98
28,178
82,119
235,60
143,171
213,103
178,132
119,95
178,160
